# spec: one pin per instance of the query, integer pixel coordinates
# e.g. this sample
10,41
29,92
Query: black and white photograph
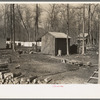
49,43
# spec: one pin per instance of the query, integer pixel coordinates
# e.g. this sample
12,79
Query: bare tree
52,17
12,11
23,22
89,23
28,21
99,53
36,24
91,20
13,25
5,20
67,29
83,46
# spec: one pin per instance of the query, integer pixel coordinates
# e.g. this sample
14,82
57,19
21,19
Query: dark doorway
73,49
60,44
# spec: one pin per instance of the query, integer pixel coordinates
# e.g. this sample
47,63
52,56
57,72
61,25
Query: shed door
60,44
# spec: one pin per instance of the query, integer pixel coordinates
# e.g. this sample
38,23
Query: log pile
4,67
7,77
76,62
10,78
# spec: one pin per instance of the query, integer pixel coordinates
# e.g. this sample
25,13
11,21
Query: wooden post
99,53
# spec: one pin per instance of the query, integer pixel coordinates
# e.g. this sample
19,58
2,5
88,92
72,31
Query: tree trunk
36,26
97,38
89,24
83,46
11,24
67,29
99,54
5,22
79,29
23,22
13,20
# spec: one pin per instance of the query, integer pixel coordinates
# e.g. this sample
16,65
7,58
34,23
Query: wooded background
51,17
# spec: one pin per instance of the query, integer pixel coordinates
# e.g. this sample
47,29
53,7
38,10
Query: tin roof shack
80,38
54,41
2,43
80,41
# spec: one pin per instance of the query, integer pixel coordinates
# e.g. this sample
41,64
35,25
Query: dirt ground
47,66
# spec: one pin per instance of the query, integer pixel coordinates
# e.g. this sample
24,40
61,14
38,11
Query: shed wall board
2,43
48,44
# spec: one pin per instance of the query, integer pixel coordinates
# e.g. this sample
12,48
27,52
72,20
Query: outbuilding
52,42
80,38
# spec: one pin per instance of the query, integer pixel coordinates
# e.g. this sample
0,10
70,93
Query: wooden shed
80,38
80,42
54,41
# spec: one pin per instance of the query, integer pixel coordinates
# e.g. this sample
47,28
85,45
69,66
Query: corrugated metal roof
59,35
81,35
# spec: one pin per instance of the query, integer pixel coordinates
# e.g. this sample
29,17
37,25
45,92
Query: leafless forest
49,43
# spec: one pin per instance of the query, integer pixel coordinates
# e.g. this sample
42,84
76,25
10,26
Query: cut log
80,63
10,82
18,66
3,69
94,78
0,82
8,75
3,65
89,63
1,75
32,78
23,81
63,61
31,52
67,60
34,81
28,81
96,72
16,81
47,80
39,82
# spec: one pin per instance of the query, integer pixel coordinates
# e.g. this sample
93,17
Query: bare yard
47,66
